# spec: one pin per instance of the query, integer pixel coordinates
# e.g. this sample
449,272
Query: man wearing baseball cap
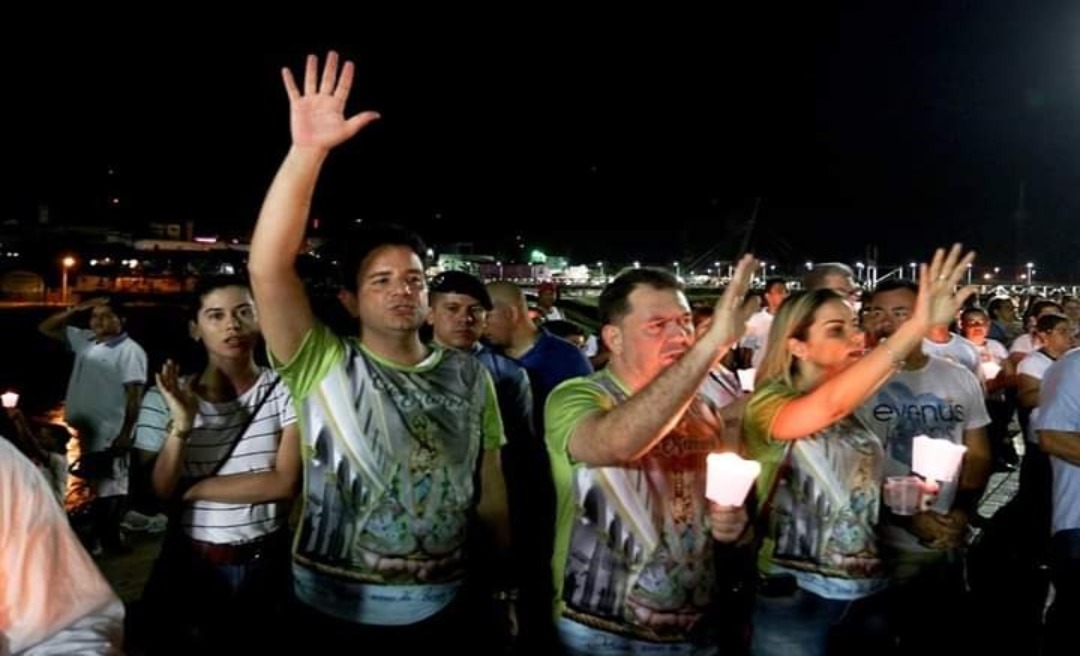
458,307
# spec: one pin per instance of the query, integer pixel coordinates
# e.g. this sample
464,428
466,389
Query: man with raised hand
401,440
634,554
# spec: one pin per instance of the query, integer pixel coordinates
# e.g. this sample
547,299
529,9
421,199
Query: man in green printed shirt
633,556
401,440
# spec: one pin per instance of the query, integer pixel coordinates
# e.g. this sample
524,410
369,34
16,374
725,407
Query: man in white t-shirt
1058,425
940,342
938,398
102,401
756,339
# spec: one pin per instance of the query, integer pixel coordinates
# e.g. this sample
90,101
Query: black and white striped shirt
213,433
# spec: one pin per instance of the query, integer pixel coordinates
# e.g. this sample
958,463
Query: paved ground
128,573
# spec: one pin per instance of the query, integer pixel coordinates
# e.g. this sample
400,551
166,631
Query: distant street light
66,263
676,263
914,267
969,273
1030,273
859,269
499,264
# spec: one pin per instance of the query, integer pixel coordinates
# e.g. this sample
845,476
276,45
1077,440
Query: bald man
549,359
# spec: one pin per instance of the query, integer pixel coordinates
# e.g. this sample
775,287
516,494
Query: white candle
729,478
937,460
746,379
10,399
990,369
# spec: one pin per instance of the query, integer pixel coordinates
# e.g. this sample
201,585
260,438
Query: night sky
901,124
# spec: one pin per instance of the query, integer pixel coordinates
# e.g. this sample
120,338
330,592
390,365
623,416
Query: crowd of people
468,471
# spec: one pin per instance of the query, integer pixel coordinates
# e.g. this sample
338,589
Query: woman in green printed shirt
822,468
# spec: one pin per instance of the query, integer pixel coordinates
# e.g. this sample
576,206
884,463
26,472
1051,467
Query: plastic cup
902,494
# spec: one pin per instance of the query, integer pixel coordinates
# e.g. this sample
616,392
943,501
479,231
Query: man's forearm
54,325
284,312
631,428
131,415
279,230
1061,444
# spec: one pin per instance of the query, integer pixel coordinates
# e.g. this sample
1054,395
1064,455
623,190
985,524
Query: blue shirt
550,361
512,389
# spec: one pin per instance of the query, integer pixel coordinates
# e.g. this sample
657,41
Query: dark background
901,124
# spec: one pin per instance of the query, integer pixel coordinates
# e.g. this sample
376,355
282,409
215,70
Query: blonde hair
793,319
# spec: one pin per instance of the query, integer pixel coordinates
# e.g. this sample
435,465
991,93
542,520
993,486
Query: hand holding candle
729,478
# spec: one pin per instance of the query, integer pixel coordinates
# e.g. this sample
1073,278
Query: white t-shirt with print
942,400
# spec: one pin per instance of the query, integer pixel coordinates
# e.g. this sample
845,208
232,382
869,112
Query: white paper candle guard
936,460
729,478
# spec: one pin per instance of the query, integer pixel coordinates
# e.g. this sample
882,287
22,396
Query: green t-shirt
824,517
390,461
633,552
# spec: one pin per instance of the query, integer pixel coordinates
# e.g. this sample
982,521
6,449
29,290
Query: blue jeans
805,624
193,605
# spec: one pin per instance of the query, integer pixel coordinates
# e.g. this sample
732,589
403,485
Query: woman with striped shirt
229,458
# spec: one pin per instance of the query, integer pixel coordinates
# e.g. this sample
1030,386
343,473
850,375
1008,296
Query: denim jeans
580,640
805,624
194,606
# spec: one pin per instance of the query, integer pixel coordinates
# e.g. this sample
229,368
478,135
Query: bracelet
181,434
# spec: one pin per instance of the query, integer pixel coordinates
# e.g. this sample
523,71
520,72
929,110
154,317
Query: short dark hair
207,284
773,282
360,243
893,285
973,309
994,308
614,304
1048,322
1038,306
118,306
460,282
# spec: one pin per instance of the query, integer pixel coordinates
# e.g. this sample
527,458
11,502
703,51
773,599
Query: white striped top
213,431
